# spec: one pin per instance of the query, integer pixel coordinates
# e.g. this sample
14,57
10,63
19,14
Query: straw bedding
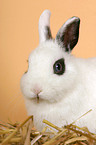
25,134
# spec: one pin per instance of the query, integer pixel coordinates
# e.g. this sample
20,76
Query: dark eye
59,67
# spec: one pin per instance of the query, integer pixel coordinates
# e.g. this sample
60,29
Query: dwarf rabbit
58,86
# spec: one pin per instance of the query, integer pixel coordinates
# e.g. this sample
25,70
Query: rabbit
58,86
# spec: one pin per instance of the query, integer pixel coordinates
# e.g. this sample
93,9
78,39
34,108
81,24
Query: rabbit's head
52,71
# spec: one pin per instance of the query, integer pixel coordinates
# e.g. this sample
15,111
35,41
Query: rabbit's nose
37,90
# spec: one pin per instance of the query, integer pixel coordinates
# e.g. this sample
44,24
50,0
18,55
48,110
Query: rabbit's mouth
37,98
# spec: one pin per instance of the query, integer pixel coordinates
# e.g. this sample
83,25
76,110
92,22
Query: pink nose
37,90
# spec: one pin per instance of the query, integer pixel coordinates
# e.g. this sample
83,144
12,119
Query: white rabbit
58,86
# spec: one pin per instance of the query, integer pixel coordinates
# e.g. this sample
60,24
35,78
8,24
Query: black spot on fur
28,67
48,36
25,72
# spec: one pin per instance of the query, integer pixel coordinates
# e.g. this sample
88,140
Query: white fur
63,98
43,21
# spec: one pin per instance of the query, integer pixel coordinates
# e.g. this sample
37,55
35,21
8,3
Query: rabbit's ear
67,36
44,26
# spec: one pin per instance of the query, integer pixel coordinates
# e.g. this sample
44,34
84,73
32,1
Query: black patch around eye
59,67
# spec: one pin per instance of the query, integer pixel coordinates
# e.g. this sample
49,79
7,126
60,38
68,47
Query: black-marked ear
67,36
44,26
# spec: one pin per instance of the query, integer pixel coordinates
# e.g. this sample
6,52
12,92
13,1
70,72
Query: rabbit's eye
59,67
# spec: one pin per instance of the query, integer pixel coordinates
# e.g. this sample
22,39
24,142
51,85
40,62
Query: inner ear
68,35
48,33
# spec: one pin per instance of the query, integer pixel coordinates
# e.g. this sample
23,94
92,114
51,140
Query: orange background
19,35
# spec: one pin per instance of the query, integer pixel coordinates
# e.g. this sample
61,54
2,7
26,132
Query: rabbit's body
59,96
